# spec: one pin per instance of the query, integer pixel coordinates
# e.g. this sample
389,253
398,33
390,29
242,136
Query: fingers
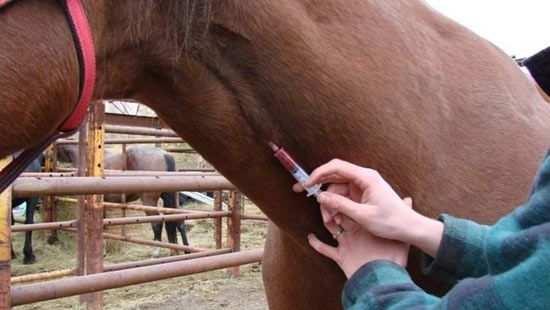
331,215
337,171
298,188
327,215
340,189
323,248
340,204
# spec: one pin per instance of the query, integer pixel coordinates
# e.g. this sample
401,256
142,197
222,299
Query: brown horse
444,115
138,159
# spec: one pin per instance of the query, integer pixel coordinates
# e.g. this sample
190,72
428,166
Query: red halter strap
86,55
84,44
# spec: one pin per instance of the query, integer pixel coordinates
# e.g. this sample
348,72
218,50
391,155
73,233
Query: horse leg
151,199
183,232
172,236
284,266
169,201
29,257
157,231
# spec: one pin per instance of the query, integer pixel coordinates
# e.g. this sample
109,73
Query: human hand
364,197
357,247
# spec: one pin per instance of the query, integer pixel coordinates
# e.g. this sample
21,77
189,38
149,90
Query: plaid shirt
503,266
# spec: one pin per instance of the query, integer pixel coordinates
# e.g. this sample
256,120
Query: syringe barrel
297,172
286,160
301,176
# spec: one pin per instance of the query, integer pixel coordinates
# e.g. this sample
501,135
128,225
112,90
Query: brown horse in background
138,159
445,116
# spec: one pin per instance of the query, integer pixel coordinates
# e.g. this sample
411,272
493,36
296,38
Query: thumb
340,204
322,248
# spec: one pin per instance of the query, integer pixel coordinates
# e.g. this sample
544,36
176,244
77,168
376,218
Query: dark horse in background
138,159
443,115
31,203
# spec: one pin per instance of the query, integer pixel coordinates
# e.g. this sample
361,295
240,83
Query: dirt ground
212,290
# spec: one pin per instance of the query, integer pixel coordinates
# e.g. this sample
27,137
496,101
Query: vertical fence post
48,202
81,235
218,221
114,246
5,243
234,227
94,203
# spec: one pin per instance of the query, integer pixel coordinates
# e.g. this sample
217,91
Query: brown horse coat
443,115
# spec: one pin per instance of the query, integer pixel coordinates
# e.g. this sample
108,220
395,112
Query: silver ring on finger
338,232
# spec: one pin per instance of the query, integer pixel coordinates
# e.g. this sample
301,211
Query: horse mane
184,23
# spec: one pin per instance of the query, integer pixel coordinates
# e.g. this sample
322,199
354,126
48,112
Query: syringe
297,172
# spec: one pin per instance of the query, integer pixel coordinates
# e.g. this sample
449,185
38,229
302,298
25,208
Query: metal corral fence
90,181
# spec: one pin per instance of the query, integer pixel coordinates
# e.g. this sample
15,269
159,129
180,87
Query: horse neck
335,86
39,85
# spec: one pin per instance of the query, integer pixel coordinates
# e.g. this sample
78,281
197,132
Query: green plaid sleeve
503,266
384,285
469,249
462,251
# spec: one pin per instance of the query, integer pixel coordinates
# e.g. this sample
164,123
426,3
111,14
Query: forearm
422,232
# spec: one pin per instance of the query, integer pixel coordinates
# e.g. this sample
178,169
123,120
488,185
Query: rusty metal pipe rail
154,243
254,218
163,218
128,141
118,173
197,169
152,209
164,260
50,275
42,276
142,131
30,293
181,150
123,221
138,207
44,226
28,187
188,169
159,244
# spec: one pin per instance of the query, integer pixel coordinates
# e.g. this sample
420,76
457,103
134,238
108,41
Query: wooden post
234,227
218,221
5,243
49,202
94,203
81,236
114,246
